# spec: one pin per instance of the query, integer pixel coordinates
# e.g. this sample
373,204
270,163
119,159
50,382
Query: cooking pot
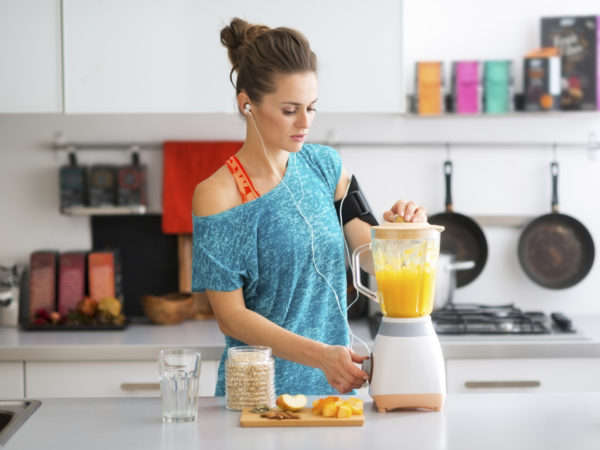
445,278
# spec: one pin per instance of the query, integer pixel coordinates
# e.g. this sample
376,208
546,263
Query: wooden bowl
168,309
201,309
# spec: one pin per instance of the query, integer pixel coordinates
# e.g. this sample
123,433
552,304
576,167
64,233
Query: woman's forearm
338,363
253,329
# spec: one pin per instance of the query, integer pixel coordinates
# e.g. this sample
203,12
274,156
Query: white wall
487,181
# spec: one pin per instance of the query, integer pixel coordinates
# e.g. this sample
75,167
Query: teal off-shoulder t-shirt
264,247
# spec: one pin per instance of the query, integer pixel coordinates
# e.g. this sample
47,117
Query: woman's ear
243,100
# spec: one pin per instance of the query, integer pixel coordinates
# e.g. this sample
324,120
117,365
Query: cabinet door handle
503,384
140,386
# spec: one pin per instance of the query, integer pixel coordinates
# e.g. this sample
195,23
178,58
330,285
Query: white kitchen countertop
142,341
138,341
483,421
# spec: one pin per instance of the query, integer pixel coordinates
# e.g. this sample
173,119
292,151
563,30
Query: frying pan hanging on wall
462,236
556,251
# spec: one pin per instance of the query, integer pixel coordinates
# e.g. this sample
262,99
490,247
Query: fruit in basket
55,317
87,307
110,306
42,317
289,402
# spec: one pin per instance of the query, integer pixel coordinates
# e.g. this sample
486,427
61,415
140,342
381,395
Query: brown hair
259,53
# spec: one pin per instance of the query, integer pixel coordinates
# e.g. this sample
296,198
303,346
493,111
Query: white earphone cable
312,234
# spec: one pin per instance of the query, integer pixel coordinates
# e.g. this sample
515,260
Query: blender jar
405,257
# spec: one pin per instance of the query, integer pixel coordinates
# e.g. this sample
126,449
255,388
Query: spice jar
249,378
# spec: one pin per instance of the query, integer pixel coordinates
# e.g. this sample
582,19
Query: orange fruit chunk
336,407
344,411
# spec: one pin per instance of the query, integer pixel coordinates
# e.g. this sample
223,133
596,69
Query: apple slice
289,402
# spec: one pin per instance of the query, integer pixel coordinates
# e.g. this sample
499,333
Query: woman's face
284,117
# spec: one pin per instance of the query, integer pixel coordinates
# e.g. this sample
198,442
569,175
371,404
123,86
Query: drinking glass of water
179,371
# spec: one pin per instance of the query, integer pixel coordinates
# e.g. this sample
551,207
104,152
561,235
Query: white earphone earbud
247,108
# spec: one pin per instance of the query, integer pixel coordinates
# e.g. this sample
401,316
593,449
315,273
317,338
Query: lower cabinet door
11,386
104,379
523,375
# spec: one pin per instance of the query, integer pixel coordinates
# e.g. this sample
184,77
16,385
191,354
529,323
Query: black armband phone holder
354,204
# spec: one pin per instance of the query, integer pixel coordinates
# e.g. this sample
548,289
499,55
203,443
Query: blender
406,367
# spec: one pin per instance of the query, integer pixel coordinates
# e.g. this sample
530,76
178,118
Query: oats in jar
249,378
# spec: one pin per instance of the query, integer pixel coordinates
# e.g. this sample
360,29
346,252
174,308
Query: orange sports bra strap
244,184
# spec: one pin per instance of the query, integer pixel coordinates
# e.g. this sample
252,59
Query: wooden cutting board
307,419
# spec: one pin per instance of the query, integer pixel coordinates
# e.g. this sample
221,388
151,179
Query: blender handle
356,272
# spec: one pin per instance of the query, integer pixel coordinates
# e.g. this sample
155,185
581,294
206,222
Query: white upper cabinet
166,56
30,50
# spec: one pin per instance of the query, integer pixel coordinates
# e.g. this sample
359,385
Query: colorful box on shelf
104,274
577,39
42,281
71,281
429,87
497,87
541,72
466,87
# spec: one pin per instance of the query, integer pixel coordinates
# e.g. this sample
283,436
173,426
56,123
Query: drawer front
11,386
523,375
104,379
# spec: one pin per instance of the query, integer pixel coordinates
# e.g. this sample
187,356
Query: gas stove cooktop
466,318
479,319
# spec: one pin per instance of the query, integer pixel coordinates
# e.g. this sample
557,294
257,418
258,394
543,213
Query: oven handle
503,384
130,387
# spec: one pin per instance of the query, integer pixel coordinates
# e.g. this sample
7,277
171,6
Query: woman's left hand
408,210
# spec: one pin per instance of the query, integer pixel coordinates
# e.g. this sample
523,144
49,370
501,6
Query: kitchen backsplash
487,181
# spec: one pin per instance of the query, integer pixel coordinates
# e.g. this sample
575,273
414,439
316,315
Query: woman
268,244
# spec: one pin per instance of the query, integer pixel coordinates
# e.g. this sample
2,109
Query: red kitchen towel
185,164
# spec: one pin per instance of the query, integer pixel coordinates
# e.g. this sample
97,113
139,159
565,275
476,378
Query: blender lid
408,226
393,230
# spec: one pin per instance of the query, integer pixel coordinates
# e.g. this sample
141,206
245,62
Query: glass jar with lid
249,378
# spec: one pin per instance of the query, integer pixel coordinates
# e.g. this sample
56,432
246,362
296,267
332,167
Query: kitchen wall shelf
519,114
105,210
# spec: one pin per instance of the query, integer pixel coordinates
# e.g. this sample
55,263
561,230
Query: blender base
407,366
388,402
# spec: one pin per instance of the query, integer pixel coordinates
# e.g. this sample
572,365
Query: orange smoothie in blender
406,292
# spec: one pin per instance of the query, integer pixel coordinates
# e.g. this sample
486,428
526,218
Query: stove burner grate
463,318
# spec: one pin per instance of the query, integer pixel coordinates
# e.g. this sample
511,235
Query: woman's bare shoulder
215,194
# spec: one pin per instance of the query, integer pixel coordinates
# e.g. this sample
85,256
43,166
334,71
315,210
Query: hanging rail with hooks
591,145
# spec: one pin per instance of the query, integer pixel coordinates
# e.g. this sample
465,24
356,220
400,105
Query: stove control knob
562,322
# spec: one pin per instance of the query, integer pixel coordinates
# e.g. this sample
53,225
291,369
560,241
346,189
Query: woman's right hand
338,365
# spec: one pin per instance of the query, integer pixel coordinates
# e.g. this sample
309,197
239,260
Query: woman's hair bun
237,34
259,53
